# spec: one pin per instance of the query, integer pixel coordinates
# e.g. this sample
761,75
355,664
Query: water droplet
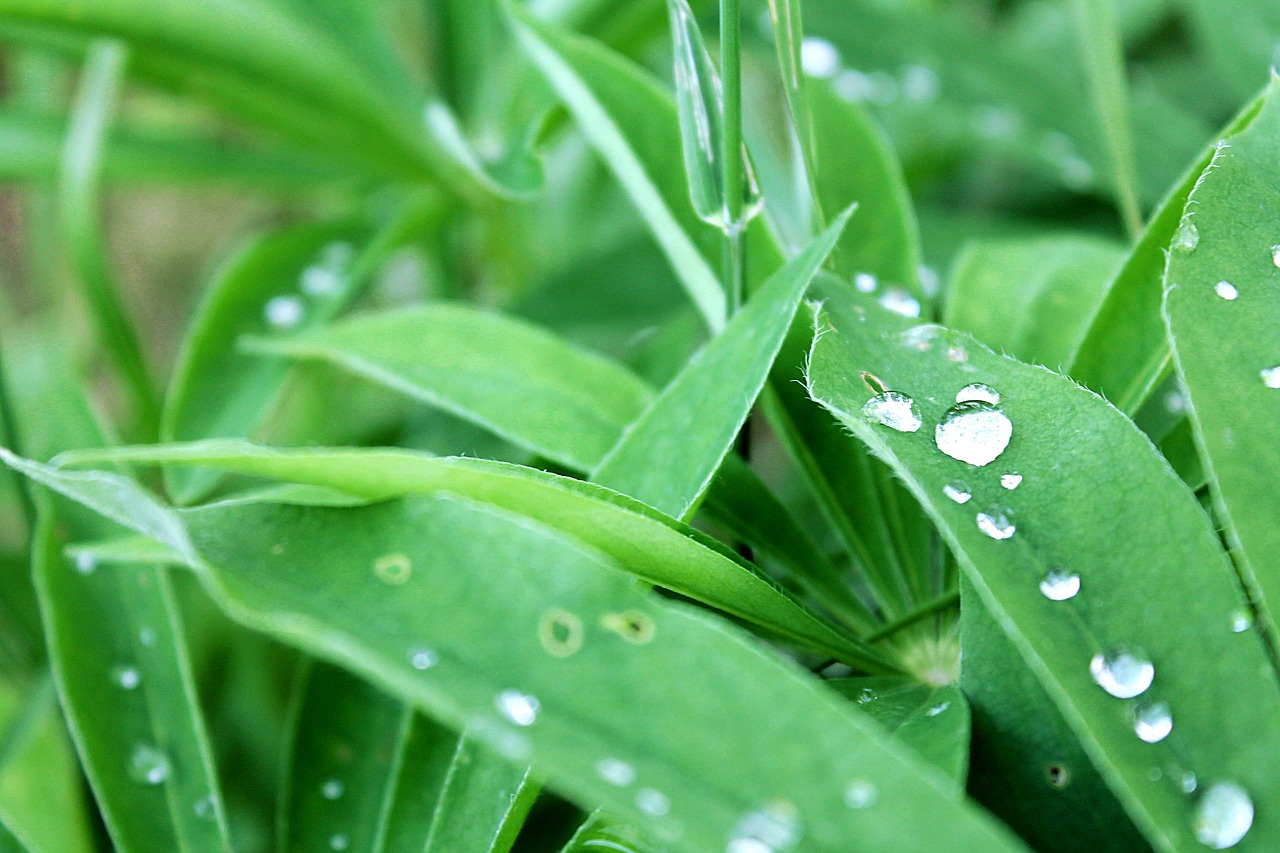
1122,673
332,789
616,772
1152,721
957,354
920,338
321,281
919,83
1226,290
957,492
1011,480
652,802
86,563
978,391
771,828
393,569
423,658
148,765
1275,255
1241,621
560,632
127,677
866,695
634,626
339,842
854,86
519,708
938,709
1187,237
147,636
1271,376
1060,584
894,410
819,57
860,794
284,312
1058,775
865,282
1189,783
1176,402
338,254
996,524
900,301
1223,815
975,432
206,808
930,282
1155,774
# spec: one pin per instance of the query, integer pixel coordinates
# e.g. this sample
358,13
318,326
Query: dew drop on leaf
865,282
772,828
148,765
147,636
520,708
284,312
980,392
1226,290
560,632
1241,621
1059,584
938,709
900,301
653,802
321,281
339,842
393,569
1189,783
206,808
996,523
1187,237
127,677
894,410
975,432
1271,376
1122,673
86,563
1011,480
860,794
957,492
423,658
332,789
819,57
1152,721
866,695
615,771
1275,255
1223,815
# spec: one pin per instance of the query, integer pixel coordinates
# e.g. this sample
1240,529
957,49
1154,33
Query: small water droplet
393,569
332,789
206,808
1058,775
1189,783
519,708
975,432
1152,721
1059,584
1271,376
616,772
147,636
1226,290
1122,673
127,677
919,83
321,281
560,632
996,523
894,410
148,765
284,312
1187,237
854,86
957,492
86,563
338,254
860,794
866,695
900,301
653,802
1011,480
978,391
1155,774
1241,621
1275,255
339,842
930,282
938,709
1176,402
819,57
957,354
772,828
1223,815
865,282
423,658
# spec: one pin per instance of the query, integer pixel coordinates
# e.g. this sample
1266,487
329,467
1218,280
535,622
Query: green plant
584,455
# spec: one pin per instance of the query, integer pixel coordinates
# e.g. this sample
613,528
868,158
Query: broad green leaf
668,457
1031,297
1222,306
602,832
650,545
1240,41
516,380
632,124
11,843
1125,352
1141,552
931,719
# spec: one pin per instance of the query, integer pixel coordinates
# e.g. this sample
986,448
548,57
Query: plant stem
939,604
731,154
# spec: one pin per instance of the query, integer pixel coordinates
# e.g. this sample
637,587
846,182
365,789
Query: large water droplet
616,771
284,312
1187,237
1060,584
860,794
332,789
1271,376
1152,721
148,765
894,410
978,391
957,492
819,57
996,523
423,658
771,828
974,432
1226,290
519,708
1122,673
1223,815
127,677
1011,480
393,569
653,802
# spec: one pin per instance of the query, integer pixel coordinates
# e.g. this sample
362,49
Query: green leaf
1141,551
10,843
1125,352
1032,298
787,19
1241,44
602,832
1222,307
931,719
668,457
528,386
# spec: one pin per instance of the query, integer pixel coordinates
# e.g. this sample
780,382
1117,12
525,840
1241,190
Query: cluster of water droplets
893,297
321,280
915,82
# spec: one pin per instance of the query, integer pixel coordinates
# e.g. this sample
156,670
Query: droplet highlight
616,772
1011,480
126,677
860,794
520,708
1271,376
284,312
975,432
339,841
1187,237
1241,621
899,300
979,392
148,765
894,410
653,802
819,57
1223,815
423,658
1226,290
1152,721
1122,673
996,524
332,789
1059,584
957,492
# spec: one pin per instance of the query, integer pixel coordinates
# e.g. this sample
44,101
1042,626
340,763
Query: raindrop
865,282
147,636
86,563
819,57
957,492
773,827
866,695
938,709
284,312
1275,255
1271,377
900,301
1122,673
1189,783
1152,721
1176,402
1241,621
423,658
1155,774
206,808
332,789
894,410
978,391
1060,584
321,281
1223,815
393,569
519,708
616,772
956,354
975,432
560,633
1187,237
127,677
996,524
1011,480
860,793
652,802
339,842
1226,290
148,765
